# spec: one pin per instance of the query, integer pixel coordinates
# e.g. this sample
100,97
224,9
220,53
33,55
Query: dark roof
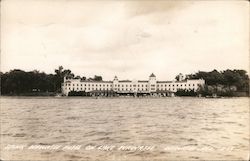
96,81
164,81
142,81
125,81
152,75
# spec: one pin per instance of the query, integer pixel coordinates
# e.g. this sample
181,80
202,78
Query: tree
78,77
60,74
97,78
225,82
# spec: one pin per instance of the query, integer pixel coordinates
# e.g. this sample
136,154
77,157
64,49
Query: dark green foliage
97,78
223,83
60,74
219,90
16,82
184,92
226,79
77,93
19,82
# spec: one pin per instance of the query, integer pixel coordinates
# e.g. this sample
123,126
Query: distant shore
53,94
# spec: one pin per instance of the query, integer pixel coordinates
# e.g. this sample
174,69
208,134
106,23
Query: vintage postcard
127,80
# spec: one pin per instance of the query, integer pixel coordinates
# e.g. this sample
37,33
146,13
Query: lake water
46,128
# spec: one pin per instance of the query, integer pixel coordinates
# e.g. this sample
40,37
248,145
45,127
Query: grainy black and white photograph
124,80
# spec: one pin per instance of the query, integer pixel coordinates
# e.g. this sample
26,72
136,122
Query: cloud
125,38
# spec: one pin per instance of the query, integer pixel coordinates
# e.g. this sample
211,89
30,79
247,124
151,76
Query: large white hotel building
127,87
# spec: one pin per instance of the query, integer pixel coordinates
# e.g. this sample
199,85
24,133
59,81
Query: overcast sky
130,39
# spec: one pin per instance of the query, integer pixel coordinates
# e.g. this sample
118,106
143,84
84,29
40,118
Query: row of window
127,89
88,89
110,85
177,85
100,85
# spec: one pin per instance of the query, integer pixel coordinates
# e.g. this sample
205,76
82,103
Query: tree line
224,83
19,82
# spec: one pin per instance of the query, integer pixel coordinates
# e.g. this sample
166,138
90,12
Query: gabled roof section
152,75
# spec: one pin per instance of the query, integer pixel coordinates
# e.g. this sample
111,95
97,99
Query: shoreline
115,97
